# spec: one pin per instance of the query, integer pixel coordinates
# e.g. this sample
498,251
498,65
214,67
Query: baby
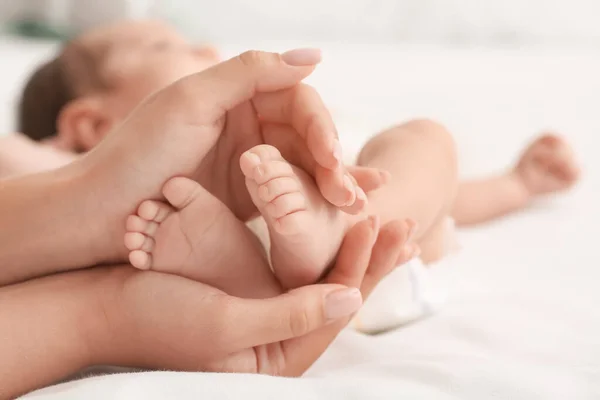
72,102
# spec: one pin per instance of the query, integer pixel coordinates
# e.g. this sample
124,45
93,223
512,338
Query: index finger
302,108
228,84
302,111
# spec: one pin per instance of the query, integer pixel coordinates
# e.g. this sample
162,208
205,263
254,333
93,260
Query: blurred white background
518,65
487,22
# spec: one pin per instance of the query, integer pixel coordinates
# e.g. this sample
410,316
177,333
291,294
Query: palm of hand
242,129
186,347
219,172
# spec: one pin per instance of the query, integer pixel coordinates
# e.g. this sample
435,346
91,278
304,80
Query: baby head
97,79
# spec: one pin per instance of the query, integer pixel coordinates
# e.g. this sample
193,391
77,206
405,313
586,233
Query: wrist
50,329
99,223
518,186
105,327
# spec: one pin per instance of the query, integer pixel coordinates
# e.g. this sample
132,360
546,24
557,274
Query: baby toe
148,245
256,156
136,223
140,259
278,187
156,211
273,169
135,240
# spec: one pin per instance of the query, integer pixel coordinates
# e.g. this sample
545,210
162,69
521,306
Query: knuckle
299,322
256,58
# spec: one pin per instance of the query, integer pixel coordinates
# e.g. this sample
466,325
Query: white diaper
409,293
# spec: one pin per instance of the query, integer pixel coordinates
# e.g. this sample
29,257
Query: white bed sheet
523,320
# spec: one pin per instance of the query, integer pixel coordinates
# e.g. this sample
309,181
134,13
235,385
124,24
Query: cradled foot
547,165
196,236
305,230
168,237
141,228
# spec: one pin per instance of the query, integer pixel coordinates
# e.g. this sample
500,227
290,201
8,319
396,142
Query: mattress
522,321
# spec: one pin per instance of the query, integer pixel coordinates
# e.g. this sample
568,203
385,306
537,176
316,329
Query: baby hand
547,165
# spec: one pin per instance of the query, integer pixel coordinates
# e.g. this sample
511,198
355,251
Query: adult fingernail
302,57
337,151
342,303
360,194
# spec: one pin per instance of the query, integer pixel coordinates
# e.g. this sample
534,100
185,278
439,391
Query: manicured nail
360,194
342,303
302,57
337,151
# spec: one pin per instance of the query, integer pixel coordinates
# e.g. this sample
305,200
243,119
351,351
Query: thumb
238,79
290,315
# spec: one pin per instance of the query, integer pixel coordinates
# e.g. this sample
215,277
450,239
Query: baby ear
83,123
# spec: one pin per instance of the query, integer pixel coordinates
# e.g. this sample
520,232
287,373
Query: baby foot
194,235
547,165
305,230
165,236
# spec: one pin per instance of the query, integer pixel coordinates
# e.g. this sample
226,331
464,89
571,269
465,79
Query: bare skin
546,166
77,314
141,150
305,231
19,155
193,229
196,236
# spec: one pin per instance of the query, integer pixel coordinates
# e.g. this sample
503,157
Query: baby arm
546,166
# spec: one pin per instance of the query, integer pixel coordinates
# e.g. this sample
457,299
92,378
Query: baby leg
196,236
421,158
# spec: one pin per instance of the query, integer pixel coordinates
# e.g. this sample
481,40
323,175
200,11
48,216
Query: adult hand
162,321
200,125
197,127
